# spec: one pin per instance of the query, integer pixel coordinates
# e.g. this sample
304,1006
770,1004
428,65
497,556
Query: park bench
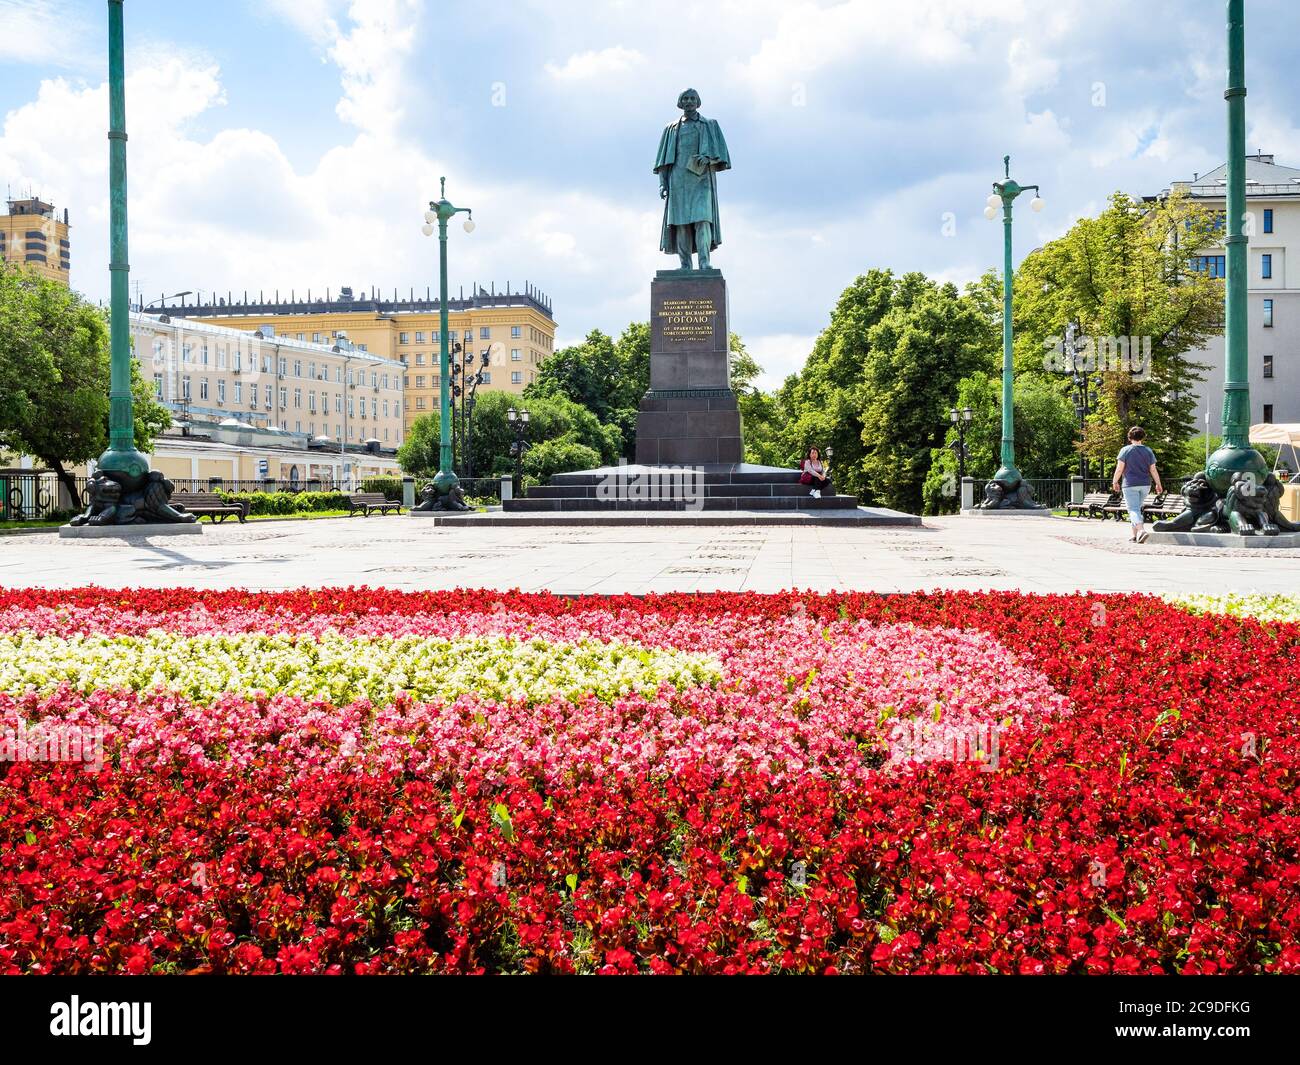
1092,506
209,505
1166,505
367,503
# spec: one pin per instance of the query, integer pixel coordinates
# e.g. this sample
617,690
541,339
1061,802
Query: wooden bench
1092,506
1166,505
209,505
368,503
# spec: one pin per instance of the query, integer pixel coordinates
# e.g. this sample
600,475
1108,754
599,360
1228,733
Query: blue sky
293,143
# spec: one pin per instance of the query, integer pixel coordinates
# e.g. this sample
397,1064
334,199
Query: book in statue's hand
698,164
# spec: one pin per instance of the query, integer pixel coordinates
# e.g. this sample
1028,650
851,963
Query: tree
1127,273
559,456
606,377
54,377
920,349
551,417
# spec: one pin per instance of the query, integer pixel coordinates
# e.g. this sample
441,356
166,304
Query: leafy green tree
418,453
929,339
564,455
1126,273
54,377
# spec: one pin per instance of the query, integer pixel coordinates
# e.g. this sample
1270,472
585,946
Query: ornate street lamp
123,491
961,419
445,496
1083,379
1007,489
1237,492
518,420
471,399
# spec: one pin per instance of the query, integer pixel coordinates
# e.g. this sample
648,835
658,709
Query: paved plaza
1034,555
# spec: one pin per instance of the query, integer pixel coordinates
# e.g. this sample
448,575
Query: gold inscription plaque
687,319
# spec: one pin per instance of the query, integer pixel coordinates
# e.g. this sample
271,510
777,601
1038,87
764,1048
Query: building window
185,389
221,358
1268,220
419,360
203,388
284,399
205,354
239,360
406,381
485,332
239,392
157,386
487,377
297,398
419,403
315,338
419,336
403,338
338,404
516,377
1214,265
1268,314
311,402
269,394
297,367
514,355
1268,412
419,380
385,408
221,391
1266,265
516,332
1268,365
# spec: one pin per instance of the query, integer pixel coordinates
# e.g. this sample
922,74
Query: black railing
29,495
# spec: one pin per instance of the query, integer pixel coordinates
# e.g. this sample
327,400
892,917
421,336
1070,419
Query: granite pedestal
690,415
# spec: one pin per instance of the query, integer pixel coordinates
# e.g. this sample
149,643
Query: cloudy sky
293,144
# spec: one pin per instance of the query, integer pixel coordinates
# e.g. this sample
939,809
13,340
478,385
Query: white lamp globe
469,225
994,200
989,213
430,217
1037,204
427,230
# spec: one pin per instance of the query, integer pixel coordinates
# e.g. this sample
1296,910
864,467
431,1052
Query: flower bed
373,781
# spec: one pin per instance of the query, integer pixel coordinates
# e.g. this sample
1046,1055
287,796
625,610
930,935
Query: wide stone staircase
716,487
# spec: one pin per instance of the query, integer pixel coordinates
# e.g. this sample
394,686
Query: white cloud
41,32
587,66
314,19
780,355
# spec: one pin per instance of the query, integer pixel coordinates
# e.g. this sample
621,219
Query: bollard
1076,489
408,492
507,487
967,493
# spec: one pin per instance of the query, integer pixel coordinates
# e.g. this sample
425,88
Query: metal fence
29,495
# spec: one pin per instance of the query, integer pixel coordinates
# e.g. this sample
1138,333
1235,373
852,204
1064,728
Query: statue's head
689,100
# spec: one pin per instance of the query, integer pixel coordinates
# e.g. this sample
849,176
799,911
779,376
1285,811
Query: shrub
390,486
261,504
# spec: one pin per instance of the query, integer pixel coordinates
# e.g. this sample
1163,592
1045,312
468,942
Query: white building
1273,301
254,406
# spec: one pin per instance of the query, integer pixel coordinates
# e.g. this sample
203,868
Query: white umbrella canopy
1275,433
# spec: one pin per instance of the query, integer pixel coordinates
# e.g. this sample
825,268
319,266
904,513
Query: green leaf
31,838
572,881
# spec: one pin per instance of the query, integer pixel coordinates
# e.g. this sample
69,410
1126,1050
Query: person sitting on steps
815,474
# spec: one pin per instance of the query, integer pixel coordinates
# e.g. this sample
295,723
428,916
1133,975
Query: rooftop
1264,177
347,301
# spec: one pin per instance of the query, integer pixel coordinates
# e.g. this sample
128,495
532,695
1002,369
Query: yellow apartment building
33,235
513,328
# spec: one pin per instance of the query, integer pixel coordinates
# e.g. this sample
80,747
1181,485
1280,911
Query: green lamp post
1236,493
441,212
1013,492
1236,456
123,491
121,456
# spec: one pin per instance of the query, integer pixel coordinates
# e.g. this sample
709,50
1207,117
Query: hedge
264,503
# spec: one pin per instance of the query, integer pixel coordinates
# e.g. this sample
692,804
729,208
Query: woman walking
815,474
1135,471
